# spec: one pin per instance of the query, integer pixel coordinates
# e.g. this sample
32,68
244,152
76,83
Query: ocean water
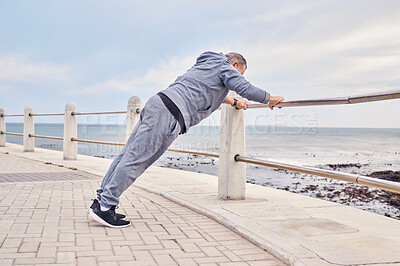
352,150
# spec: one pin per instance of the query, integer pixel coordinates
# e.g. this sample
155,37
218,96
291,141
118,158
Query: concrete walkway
297,229
44,220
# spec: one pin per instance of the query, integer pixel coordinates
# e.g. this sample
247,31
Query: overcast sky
99,53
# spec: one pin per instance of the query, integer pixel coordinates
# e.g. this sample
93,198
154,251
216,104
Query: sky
99,53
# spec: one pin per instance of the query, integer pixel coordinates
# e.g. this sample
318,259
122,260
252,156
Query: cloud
16,68
363,57
155,79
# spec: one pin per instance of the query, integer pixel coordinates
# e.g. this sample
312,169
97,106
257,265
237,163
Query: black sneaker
96,204
108,218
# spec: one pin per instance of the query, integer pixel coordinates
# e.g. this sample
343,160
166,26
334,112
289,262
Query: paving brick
108,263
211,251
211,260
102,245
164,260
12,243
6,262
86,261
58,244
65,257
137,263
231,256
75,248
170,244
142,255
66,237
150,240
20,228
34,229
95,253
49,252
233,264
33,261
146,247
189,247
15,255
186,262
122,250
84,241
29,247
115,258
247,251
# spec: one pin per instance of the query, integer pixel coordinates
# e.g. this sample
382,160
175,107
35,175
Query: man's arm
233,80
242,103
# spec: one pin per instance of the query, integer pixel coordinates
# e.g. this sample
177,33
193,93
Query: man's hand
242,104
274,100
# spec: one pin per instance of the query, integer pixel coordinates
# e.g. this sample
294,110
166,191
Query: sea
364,151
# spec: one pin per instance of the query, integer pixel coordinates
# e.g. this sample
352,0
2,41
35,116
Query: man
191,98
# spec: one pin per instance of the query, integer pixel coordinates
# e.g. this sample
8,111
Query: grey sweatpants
151,137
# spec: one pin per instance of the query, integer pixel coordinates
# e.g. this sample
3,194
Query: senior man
191,98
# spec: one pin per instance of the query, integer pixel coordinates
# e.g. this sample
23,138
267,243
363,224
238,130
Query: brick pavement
43,221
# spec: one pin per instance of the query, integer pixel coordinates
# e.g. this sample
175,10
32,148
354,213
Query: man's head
237,61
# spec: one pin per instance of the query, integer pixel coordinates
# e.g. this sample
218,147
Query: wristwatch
234,102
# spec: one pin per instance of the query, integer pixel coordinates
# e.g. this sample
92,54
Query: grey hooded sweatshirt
204,87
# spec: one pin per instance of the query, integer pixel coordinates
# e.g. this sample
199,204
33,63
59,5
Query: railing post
2,128
231,174
132,115
29,128
70,148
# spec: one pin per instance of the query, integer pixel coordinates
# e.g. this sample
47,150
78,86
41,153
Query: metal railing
98,113
4,115
333,101
232,145
30,114
357,179
10,133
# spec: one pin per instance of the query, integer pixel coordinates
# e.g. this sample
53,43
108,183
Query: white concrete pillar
2,128
132,115
231,174
70,148
29,128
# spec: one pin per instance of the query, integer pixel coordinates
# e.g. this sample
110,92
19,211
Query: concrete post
231,174
29,128
132,116
70,148
2,128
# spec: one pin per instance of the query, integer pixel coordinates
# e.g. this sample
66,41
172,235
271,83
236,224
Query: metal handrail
45,137
357,179
98,113
98,142
30,114
340,100
195,152
123,144
10,133
4,115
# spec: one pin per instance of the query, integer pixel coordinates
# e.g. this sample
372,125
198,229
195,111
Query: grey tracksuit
197,94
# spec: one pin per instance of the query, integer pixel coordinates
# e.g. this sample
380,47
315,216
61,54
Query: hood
206,56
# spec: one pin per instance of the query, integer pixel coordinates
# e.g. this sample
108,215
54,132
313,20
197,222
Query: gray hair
236,57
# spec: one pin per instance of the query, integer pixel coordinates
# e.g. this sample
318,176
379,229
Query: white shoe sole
101,221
